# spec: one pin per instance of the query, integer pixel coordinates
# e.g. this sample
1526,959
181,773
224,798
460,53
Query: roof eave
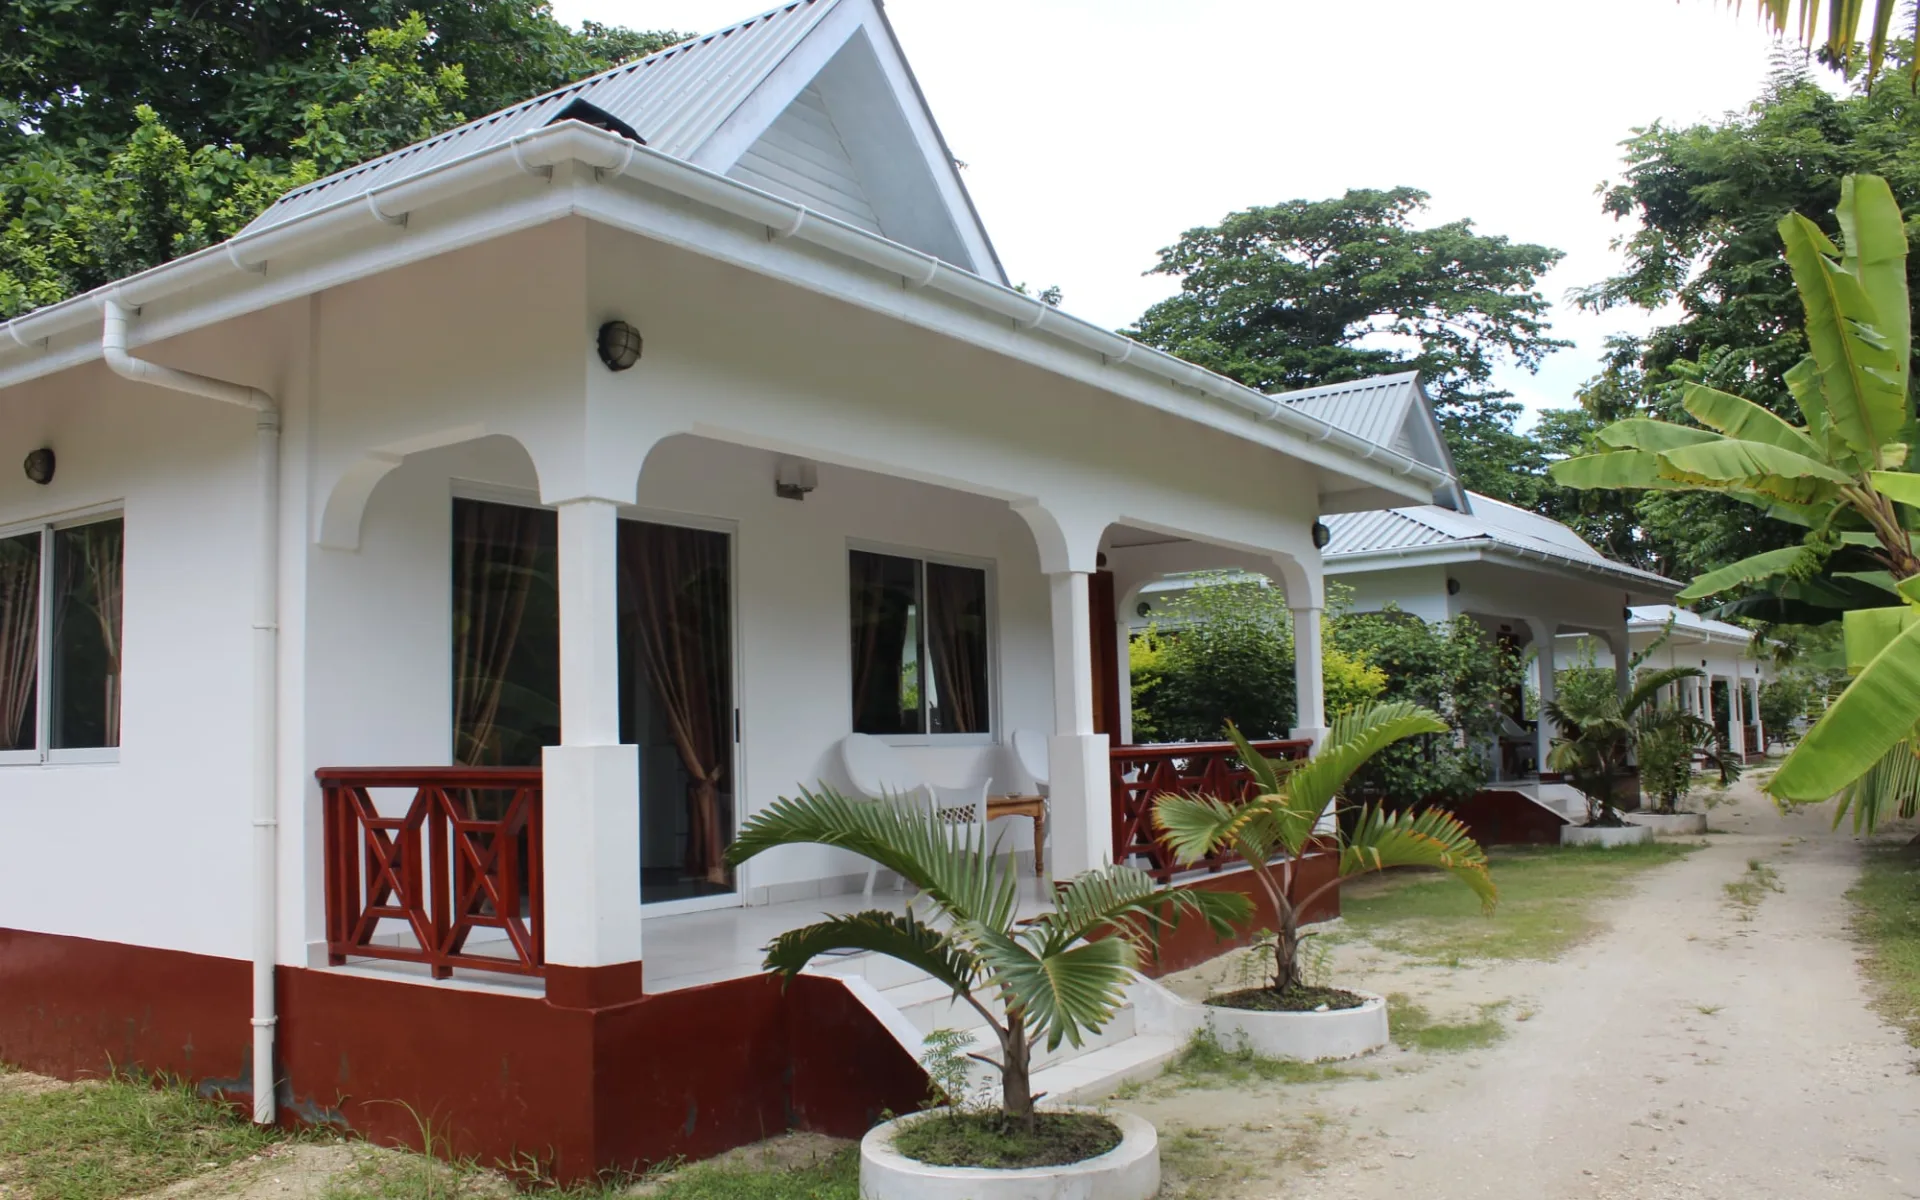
602,156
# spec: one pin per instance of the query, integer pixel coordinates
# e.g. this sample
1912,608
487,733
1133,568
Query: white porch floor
726,943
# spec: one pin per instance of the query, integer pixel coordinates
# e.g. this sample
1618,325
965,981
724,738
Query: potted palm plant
1598,735
1272,832
1050,977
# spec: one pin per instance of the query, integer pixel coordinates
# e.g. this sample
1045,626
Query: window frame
922,557
43,753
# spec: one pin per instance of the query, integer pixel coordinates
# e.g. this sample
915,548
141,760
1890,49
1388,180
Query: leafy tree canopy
1322,291
131,136
1705,202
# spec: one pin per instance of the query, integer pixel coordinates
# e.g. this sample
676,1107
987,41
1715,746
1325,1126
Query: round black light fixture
1143,609
39,465
1453,587
1321,535
619,345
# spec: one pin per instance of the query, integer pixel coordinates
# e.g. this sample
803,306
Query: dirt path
1699,1047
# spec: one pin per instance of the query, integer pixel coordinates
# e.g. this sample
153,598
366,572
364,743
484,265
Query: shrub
1454,668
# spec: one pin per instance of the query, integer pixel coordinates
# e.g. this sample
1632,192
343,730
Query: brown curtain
679,581
101,548
19,638
956,636
495,548
867,573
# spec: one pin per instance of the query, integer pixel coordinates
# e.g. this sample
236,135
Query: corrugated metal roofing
674,99
1430,526
1656,616
1375,409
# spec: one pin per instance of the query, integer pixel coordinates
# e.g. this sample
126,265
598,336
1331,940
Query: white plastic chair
880,773
1030,749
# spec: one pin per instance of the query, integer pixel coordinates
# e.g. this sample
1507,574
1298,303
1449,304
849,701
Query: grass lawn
114,1138
1548,898
123,1137
1887,920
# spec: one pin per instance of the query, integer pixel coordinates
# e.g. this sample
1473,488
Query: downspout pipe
266,683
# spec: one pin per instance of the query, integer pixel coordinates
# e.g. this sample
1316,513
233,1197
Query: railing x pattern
1139,775
464,855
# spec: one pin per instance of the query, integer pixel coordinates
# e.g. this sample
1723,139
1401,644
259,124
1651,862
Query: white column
1080,799
1309,680
1759,726
592,782
1621,648
1543,637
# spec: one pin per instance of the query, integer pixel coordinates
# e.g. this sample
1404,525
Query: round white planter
1672,824
1129,1171
1604,835
1303,1036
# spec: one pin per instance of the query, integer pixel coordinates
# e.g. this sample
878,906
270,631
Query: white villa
1664,636
417,590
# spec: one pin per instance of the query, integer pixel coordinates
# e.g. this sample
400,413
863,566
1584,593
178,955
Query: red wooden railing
1141,774
464,855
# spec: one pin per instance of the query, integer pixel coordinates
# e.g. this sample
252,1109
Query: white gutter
607,154
1473,548
266,606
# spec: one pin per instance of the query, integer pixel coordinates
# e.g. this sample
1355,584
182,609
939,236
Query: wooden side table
1025,806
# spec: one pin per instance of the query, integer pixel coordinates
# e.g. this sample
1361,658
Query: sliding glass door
675,653
677,704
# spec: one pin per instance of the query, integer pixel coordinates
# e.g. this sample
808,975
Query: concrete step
1097,1073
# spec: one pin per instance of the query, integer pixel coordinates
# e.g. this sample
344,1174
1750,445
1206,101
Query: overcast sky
1095,131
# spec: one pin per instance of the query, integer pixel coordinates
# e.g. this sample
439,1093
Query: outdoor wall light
1453,587
793,478
1143,609
619,345
39,465
1321,535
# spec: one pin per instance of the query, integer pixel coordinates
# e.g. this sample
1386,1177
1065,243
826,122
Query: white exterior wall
1421,591
479,366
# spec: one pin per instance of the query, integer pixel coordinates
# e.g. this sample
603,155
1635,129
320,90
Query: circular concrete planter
1129,1171
1303,1036
1672,824
1604,835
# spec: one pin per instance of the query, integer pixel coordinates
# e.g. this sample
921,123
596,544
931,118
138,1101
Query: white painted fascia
1123,367
1489,550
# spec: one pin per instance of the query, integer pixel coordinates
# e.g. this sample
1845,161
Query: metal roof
1648,617
1487,522
675,99
1375,409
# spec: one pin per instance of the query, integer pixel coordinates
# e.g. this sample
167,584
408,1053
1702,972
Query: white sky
1095,131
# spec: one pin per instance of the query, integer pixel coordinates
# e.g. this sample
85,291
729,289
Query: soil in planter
1297,999
993,1139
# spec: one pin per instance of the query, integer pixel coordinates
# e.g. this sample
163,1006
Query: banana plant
1271,832
1839,474
1056,976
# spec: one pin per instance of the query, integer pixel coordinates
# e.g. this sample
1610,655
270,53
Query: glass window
60,602
20,642
919,646
84,706
506,633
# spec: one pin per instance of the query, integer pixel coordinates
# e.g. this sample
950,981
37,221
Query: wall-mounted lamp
1321,535
619,345
39,465
1453,586
1142,609
793,478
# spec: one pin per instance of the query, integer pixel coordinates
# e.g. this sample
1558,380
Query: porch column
1309,682
592,782
1543,634
1620,647
1759,726
1080,798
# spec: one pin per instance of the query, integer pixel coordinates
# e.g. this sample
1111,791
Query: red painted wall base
1191,942
510,1080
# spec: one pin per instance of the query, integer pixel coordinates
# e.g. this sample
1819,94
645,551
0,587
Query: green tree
95,186
1703,203
72,75
1322,291
1453,668
1222,653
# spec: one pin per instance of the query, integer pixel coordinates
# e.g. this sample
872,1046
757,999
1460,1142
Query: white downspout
266,606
